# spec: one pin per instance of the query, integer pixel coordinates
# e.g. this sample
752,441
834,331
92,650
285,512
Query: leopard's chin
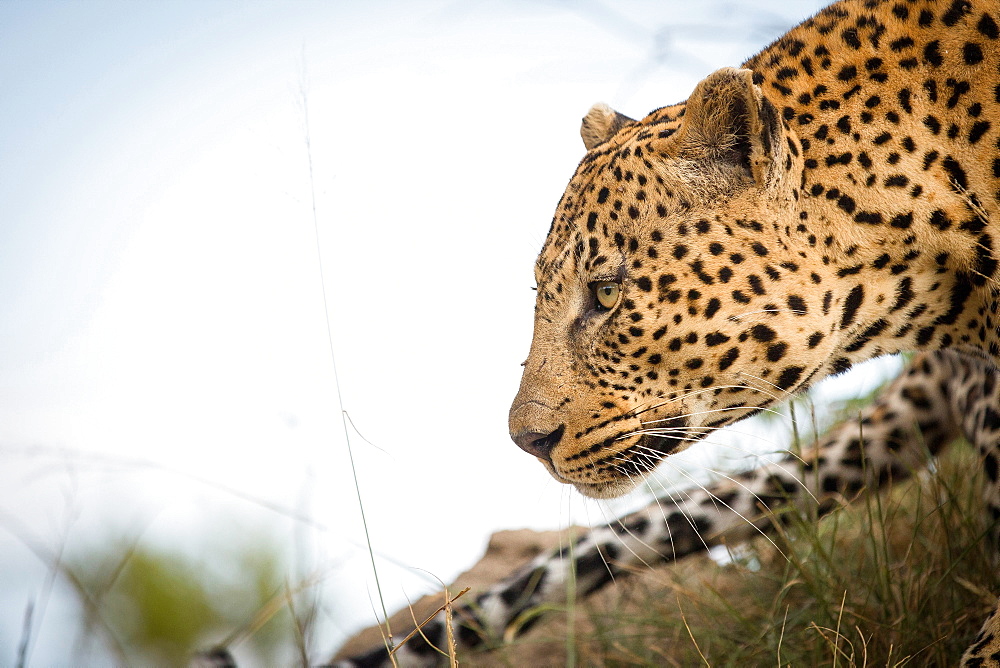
606,490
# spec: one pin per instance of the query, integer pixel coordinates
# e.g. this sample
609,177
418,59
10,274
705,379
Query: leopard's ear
729,121
600,124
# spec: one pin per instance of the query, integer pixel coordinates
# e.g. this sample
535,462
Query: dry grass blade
419,628
687,627
284,598
450,632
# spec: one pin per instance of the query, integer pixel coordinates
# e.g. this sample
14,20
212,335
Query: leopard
828,202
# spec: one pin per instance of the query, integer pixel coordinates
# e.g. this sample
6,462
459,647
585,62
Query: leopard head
667,288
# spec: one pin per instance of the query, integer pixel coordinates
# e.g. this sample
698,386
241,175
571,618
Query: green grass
899,578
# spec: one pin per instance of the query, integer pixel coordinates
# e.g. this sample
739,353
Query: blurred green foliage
161,604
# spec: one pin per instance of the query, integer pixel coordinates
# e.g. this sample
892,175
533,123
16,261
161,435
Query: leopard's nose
538,444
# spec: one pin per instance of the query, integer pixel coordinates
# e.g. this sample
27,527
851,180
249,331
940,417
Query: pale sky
165,347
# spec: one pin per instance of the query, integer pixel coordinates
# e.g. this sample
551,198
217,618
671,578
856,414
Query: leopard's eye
606,293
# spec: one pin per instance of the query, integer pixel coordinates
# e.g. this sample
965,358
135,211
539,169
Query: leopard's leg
985,651
895,436
976,397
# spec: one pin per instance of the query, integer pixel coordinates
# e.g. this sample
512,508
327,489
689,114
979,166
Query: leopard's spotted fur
830,202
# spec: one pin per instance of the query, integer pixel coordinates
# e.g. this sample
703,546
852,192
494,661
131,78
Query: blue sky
159,276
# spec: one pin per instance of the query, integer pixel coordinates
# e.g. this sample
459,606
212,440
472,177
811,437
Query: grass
894,579
900,578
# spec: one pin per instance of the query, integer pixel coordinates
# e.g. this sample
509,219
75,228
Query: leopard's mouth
620,473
